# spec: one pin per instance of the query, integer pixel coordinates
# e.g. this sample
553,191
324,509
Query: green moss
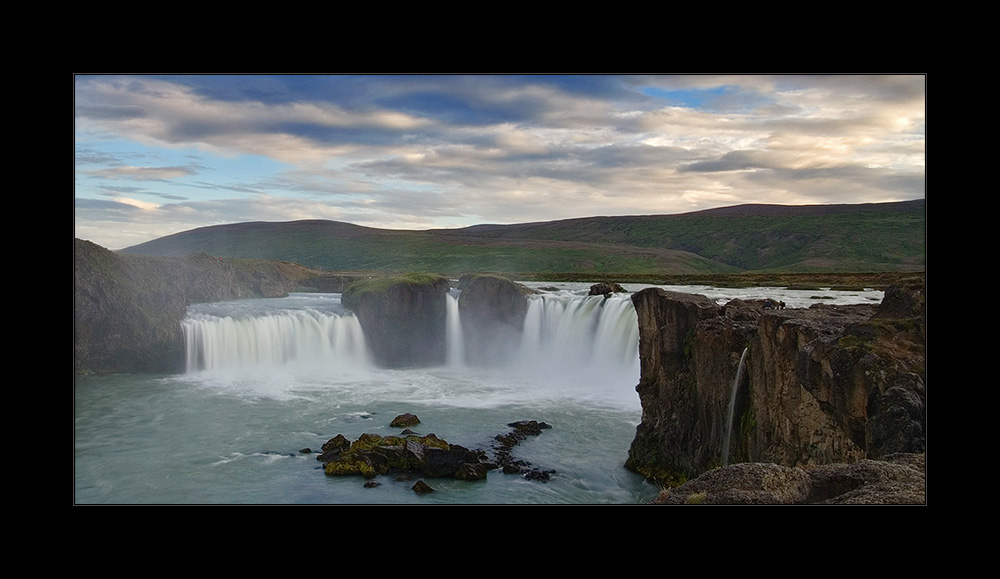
697,498
852,342
654,471
380,284
372,454
349,467
357,292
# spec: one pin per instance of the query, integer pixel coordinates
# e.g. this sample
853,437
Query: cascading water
584,334
732,409
245,335
456,346
565,334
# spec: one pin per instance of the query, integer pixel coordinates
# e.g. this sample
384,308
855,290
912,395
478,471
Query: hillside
744,238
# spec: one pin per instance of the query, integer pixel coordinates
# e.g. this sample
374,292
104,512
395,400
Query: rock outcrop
372,455
408,455
606,288
404,318
898,479
492,310
822,385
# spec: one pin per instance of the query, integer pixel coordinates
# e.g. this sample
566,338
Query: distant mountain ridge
751,238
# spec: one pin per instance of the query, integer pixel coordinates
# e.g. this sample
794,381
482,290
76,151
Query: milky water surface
235,433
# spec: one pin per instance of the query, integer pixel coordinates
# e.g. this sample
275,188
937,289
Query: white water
270,377
456,345
732,408
270,339
581,335
565,334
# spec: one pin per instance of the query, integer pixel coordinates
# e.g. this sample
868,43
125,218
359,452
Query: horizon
161,155
281,222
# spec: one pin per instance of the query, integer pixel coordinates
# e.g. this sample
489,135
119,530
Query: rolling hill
745,238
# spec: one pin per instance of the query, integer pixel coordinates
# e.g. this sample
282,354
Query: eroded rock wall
404,318
492,310
821,385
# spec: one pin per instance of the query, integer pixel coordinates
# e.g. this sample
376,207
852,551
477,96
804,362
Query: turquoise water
223,440
231,429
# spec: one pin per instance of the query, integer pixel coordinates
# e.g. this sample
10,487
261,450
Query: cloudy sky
156,155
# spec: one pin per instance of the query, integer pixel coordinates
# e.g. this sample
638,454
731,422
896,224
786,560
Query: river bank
833,280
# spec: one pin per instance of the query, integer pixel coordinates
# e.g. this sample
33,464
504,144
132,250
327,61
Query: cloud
143,173
431,151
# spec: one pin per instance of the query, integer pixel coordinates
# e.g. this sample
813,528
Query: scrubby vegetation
886,237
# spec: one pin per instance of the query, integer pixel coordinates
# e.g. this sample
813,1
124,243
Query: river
268,379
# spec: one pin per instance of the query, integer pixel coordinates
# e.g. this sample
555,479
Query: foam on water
231,429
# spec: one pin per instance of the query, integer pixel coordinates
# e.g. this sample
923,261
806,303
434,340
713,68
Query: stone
422,488
606,288
404,420
899,480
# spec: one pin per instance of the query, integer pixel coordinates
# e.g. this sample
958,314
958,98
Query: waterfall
456,346
581,334
732,409
586,338
263,339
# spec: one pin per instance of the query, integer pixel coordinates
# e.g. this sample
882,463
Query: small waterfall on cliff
456,345
732,408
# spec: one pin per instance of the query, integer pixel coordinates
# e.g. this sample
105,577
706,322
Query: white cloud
434,151
142,173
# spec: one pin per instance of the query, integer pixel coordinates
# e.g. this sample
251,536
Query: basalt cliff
822,385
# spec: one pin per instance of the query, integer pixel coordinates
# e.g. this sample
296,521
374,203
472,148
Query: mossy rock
372,454
358,291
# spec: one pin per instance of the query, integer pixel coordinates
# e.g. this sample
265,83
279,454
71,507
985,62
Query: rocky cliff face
404,318
827,384
127,308
492,311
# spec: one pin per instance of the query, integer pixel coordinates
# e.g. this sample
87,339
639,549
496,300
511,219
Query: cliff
492,311
127,308
403,317
822,385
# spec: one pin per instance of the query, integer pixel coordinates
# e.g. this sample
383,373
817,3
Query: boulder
899,479
404,420
504,444
410,456
422,488
606,288
372,455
